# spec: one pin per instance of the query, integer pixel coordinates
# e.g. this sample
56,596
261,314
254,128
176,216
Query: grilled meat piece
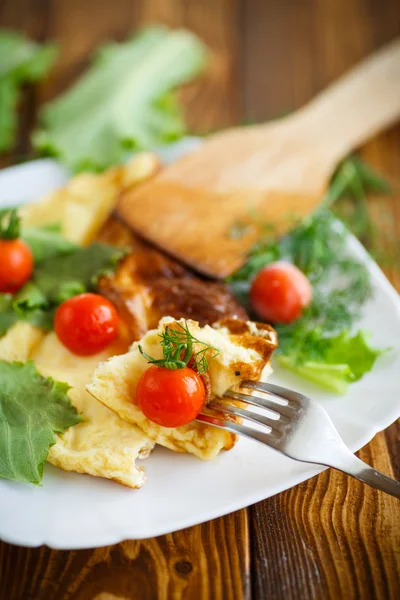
148,285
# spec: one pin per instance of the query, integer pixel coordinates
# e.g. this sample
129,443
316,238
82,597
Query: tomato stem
9,224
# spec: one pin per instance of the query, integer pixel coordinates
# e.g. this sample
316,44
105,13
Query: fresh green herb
20,61
344,359
178,343
61,277
124,101
9,224
46,242
30,297
8,315
318,246
351,183
32,410
31,305
62,270
23,308
57,279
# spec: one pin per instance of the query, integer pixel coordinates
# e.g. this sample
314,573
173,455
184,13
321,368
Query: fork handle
360,470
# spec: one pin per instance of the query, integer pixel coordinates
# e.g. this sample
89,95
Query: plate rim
243,501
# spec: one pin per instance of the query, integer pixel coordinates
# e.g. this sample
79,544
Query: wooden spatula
279,170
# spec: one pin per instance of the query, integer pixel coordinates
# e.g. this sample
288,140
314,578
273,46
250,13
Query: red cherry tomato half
16,265
86,324
170,398
280,292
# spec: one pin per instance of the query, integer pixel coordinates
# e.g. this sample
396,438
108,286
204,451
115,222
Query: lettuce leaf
346,360
32,409
62,270
355,351
124,101
8,316
30,305
20,60
46,242
24,307
61,277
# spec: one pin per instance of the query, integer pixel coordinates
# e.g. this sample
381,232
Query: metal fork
300,429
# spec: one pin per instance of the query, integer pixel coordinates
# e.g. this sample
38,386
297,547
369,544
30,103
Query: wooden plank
196,562
193,563
295,49
331,537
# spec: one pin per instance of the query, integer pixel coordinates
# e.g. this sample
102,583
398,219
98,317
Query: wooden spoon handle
357,106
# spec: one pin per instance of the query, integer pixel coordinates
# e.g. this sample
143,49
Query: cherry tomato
170,398
279,292
16,265
86,324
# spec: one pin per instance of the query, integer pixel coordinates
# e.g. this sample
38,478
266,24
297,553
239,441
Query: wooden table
330,537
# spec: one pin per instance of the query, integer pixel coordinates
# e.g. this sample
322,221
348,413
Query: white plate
75,511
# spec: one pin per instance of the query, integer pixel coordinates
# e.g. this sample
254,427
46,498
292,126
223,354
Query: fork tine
246,414
283,411
276,390
270,438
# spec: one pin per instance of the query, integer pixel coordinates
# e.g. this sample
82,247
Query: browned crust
148,285
263,344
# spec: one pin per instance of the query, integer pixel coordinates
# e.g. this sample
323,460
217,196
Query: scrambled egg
115,432
244,352
103,445
19,341
83,205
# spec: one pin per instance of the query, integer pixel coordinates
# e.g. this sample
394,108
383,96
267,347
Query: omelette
244,351
145,288
103,444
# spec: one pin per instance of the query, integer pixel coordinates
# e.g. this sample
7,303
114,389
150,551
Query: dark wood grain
192,563
198,559
330,537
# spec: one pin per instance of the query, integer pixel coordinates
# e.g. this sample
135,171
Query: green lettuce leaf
30,297
8,316
24,307
31,305
20,60
32,409
8,112
124,101
62,270
355,351
346,360
45,242
62,277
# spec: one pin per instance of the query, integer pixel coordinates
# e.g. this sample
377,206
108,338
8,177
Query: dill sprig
318,247
178,343
352,182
